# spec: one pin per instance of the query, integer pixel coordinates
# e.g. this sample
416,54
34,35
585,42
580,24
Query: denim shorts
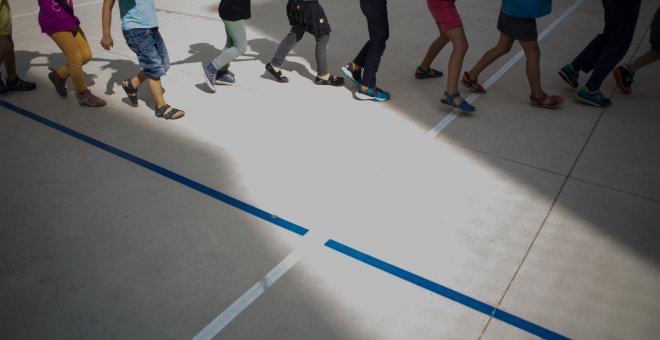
150,49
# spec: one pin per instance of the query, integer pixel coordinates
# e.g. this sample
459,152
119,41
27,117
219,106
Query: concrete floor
513,222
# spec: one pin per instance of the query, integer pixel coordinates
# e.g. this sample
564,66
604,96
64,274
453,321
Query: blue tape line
163,172
346,250
444,291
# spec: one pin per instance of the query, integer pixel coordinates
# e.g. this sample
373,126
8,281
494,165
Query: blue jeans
150,49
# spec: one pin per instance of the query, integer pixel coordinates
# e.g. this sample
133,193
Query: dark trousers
379,32
608,48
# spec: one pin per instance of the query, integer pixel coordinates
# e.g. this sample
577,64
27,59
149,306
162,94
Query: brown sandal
548,102
472,84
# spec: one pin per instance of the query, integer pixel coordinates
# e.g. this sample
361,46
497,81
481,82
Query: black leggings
379,32
608,48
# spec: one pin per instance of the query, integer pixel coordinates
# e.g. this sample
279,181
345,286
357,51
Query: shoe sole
362,96
206,79
567,80
446,102
349,75
619,82
217,82
592,103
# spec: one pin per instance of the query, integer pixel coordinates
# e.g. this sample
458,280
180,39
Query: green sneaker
594,98
569,75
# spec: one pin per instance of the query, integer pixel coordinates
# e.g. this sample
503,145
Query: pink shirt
54,18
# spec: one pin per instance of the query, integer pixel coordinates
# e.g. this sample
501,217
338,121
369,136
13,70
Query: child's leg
641,61
436,46
503,47
7,56
457,37
379,32
156,89
67,43
532,66
236,44
321,53
295,34
83,45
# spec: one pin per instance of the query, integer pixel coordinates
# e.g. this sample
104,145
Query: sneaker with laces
88,99
593,97
372,93
569,75
353,73
58,83
224,78
624,77
209,75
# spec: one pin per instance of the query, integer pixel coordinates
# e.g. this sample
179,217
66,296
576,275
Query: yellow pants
75,47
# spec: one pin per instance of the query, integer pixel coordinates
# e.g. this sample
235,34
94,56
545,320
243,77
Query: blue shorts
150,49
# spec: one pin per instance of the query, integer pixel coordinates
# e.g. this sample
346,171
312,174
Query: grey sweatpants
292,38
235,46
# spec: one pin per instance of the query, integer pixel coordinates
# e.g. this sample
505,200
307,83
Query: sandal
131,92
464,106
548,102
169,112
332,80
20,85
472,84
428,73
278,75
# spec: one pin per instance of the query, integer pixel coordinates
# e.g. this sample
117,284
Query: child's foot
624,78
19,84
208,71
372,93
88,99
421,73
353,72
224,78
168,112
277,74
548,102
329,80
472,84
131,92
593,97
58,83
451,100
569,75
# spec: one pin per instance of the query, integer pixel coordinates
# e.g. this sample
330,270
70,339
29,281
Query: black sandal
169,112
131,92
278,75
332,80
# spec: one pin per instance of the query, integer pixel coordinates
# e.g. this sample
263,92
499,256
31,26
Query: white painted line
74,6
310,242
452,115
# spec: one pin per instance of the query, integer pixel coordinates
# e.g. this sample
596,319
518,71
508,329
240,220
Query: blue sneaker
209,75
224,78
593,97
352,73
373,94
569,75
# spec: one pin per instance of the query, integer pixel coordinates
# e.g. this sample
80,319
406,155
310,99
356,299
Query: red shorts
445,14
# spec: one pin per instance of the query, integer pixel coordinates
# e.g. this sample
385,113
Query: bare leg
641,61
459,41
533,59
503,47
436,46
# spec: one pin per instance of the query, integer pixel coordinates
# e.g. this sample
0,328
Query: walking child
624,73
233,14
362,70
140,29
604,52
306,16
57,19
517,21
7,56
451,29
